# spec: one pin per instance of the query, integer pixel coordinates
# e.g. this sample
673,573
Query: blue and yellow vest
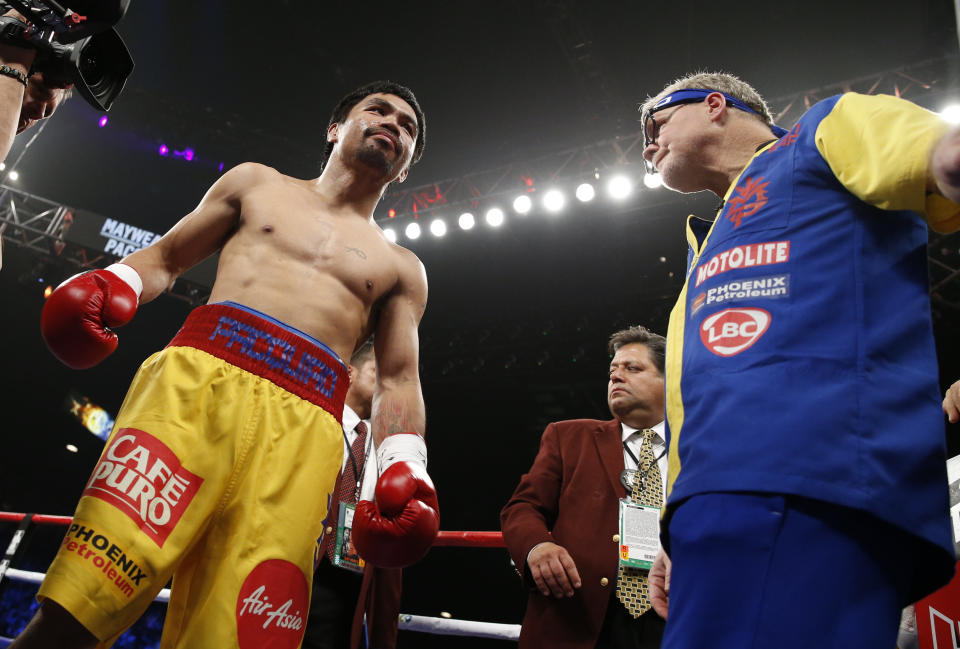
800,353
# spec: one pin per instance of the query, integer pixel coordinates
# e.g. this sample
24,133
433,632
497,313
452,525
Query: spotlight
466,221
951,113
72,448
522,204
585,192
619,187
102,121
412,231
553,200
13,175
390,234
47,291
163,150
188,154
220,168
494,217
3,166
652,180
391,213
438,227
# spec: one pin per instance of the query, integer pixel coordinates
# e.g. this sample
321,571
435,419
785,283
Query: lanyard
637,462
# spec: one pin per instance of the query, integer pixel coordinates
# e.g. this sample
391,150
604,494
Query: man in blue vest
807,492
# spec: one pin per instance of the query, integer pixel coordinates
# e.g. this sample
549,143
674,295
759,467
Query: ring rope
421,623
444,539
408,622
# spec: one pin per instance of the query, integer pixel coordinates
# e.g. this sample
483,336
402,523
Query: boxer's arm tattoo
359,253
392,418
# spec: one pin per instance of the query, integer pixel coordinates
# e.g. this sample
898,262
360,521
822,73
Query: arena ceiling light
466,221
619,187
585,192
652,180
438,227
13,175
494,217
412,231
553,200
951,113
522,204
390,234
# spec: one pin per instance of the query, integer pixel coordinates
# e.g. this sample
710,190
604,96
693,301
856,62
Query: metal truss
591,162
943,254
40,225
922,83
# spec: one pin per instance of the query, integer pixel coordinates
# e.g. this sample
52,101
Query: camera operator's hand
17,60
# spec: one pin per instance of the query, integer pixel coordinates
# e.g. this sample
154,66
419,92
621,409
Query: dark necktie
347,484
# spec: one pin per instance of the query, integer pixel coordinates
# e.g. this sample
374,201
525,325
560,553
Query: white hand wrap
129,275
402,447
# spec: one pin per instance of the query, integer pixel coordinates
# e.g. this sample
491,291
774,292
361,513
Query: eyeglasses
651,128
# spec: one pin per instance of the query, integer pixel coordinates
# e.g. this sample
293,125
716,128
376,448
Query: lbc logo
729,332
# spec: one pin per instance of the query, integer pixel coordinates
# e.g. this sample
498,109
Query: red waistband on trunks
289,360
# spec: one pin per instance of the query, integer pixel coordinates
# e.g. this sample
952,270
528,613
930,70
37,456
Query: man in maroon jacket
561,525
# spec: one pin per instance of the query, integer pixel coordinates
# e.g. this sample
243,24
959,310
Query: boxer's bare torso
308,252
321,269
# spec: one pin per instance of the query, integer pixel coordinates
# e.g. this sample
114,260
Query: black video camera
75,43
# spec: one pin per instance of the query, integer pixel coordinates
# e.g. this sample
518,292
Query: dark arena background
522,97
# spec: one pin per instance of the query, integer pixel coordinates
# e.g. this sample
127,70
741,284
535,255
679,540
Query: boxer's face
635,385
380,132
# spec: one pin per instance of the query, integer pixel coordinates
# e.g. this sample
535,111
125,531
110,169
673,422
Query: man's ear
351,372
333,132
403,174
716,105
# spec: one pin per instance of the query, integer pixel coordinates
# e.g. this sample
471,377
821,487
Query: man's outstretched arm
17,60
945,165
78,319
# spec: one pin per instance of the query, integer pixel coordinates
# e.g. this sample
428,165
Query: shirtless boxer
220,465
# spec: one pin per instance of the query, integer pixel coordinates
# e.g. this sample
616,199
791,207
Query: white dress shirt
370,473
350,421
633,439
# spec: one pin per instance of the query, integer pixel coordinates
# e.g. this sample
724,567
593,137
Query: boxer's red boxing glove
398,527
76,318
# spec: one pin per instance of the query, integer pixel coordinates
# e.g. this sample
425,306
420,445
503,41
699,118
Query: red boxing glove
77,314
398,527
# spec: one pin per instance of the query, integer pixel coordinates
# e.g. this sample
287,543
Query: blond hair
719,81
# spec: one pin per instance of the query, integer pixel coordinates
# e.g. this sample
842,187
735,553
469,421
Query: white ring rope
422,623
37,577
443,626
